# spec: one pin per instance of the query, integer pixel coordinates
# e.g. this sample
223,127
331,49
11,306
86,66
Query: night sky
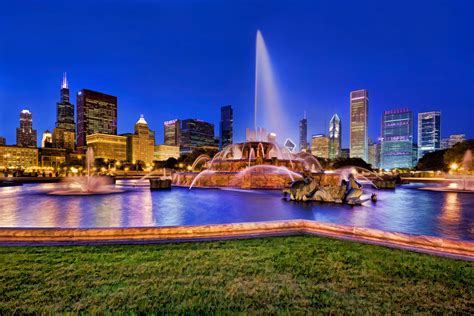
185,59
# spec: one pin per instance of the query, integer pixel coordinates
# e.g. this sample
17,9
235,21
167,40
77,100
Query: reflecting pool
406,209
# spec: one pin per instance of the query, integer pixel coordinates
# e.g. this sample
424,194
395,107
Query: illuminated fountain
89,184
248,165
463,182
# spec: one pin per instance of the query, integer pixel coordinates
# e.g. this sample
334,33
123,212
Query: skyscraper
141,144
64,109
172,133
196,133
25,134
226,128
64,134
335,137
304,133
429,132
96,113
320,146
359,102
397,139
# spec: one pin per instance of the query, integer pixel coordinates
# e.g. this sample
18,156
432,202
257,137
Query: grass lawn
300,274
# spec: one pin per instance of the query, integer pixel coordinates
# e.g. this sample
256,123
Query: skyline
305,74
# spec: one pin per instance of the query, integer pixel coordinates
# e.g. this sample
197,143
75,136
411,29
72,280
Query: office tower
455,139
397,139
96,114
64,134
226,126
320,146
374,154
196,133
172,134
64,109
141,144
3,141
429,132
359,112
47,140
304,133
25,134
105,146
335,137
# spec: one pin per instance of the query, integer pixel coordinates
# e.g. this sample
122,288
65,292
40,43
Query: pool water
406,209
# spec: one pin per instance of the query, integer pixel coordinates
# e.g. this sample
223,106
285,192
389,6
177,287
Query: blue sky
185,59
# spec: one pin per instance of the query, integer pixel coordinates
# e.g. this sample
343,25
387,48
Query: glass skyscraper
429,132
196,133
397,139
96,114
335,137
359,100
226,129
64,109
304,133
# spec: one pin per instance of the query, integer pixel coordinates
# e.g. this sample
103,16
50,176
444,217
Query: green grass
300,274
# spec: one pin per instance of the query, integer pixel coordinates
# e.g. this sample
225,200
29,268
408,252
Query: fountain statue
89,184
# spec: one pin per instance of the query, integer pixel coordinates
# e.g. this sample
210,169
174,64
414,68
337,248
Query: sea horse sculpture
308,189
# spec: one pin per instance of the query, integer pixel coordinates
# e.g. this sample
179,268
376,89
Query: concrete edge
144,235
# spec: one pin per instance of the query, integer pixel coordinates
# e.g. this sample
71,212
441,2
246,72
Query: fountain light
454,166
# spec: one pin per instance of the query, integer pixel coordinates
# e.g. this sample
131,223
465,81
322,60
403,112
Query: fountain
89,184
462,184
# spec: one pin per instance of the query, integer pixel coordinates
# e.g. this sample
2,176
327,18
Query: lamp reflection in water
450,215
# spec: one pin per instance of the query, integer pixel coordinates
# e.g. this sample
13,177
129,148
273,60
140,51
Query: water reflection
450,215
404,210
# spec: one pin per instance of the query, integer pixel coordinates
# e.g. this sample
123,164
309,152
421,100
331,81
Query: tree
433,161
356,162
456,153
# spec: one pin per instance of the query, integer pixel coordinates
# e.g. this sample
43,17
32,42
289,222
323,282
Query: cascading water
89,184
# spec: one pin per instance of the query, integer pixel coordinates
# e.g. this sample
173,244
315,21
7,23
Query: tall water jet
267,106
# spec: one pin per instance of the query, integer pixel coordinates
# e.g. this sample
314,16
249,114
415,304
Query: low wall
253,181
434,245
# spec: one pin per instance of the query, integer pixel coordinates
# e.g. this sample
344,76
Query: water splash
268,110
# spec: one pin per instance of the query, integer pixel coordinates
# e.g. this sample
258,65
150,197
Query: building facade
320,146
429,132
18,157
96,114
141,144
172,134
335,137
304,133
397,139
3,141
359,114
49,157
452,140
65,129
47,140
374,154
196,133
105,146
164,152
226,126
25,135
